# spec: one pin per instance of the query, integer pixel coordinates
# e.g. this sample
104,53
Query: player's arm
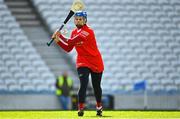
68,44
82,36
62,42
72,41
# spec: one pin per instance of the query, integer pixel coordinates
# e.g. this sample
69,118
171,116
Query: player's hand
56,34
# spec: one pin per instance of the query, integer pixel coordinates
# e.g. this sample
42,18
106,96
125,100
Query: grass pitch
89,115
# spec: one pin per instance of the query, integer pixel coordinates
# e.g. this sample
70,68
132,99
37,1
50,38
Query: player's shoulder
88,28
75,29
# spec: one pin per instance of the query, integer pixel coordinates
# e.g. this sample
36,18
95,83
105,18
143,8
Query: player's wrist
61,36
58,33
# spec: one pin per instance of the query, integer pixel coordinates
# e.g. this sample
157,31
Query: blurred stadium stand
139,40
21,65
28,58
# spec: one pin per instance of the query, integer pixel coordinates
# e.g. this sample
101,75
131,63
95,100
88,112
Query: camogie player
89,60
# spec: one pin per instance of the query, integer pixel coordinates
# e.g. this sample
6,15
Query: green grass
89,115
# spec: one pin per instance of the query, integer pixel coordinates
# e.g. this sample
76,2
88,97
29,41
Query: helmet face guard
81,14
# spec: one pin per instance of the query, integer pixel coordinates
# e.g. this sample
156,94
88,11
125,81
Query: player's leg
83,73
96,82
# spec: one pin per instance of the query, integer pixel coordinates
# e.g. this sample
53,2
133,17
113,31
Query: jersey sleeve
77,38
68,44
82,36
64,44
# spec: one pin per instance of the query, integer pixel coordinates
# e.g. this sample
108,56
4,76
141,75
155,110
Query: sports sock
81,106
98,105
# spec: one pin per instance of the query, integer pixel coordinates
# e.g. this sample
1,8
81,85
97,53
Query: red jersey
84,41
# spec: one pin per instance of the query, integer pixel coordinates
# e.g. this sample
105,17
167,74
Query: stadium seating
139,40
21,67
